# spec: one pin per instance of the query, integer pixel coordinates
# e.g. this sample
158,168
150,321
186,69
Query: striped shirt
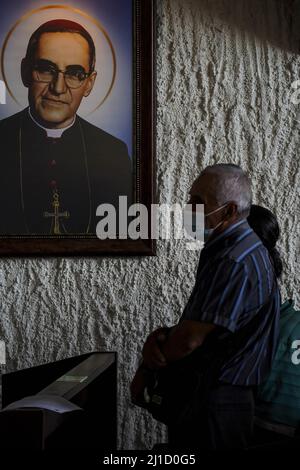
234,279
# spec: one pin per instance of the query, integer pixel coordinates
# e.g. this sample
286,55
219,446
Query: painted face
53,96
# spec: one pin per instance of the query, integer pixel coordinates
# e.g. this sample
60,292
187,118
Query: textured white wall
224,74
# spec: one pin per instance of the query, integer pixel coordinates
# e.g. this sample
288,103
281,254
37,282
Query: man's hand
152,355
138,384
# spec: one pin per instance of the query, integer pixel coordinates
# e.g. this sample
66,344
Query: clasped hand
153,357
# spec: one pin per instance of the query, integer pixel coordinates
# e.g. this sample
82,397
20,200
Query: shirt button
53,184
53,163
52,140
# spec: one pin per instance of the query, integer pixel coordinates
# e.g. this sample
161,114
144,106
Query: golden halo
74,10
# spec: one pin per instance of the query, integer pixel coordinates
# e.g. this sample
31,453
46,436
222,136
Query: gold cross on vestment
55,228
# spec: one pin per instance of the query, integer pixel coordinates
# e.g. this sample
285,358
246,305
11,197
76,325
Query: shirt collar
223,235
52,133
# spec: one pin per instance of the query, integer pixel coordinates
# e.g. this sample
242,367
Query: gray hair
233,185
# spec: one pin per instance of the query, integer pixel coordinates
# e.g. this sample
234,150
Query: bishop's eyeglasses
47,72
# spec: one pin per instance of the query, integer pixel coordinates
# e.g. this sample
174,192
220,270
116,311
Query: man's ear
25,72
231,209
90,83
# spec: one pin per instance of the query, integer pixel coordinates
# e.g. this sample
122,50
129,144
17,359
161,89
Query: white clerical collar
52,133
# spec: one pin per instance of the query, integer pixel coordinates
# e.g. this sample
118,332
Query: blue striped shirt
234,279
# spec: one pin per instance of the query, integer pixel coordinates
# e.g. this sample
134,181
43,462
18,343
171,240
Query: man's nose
58,85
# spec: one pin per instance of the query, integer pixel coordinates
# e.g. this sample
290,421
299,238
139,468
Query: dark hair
60,26
265,225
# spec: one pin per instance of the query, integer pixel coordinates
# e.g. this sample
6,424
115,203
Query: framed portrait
76,127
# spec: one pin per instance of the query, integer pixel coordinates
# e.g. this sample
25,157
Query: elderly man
56,168
234,279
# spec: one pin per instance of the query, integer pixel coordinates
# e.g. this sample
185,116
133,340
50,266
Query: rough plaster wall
224,77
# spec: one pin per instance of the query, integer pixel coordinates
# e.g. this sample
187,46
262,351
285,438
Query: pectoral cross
55,228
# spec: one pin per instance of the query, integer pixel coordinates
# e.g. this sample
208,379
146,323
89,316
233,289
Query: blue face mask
209,231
